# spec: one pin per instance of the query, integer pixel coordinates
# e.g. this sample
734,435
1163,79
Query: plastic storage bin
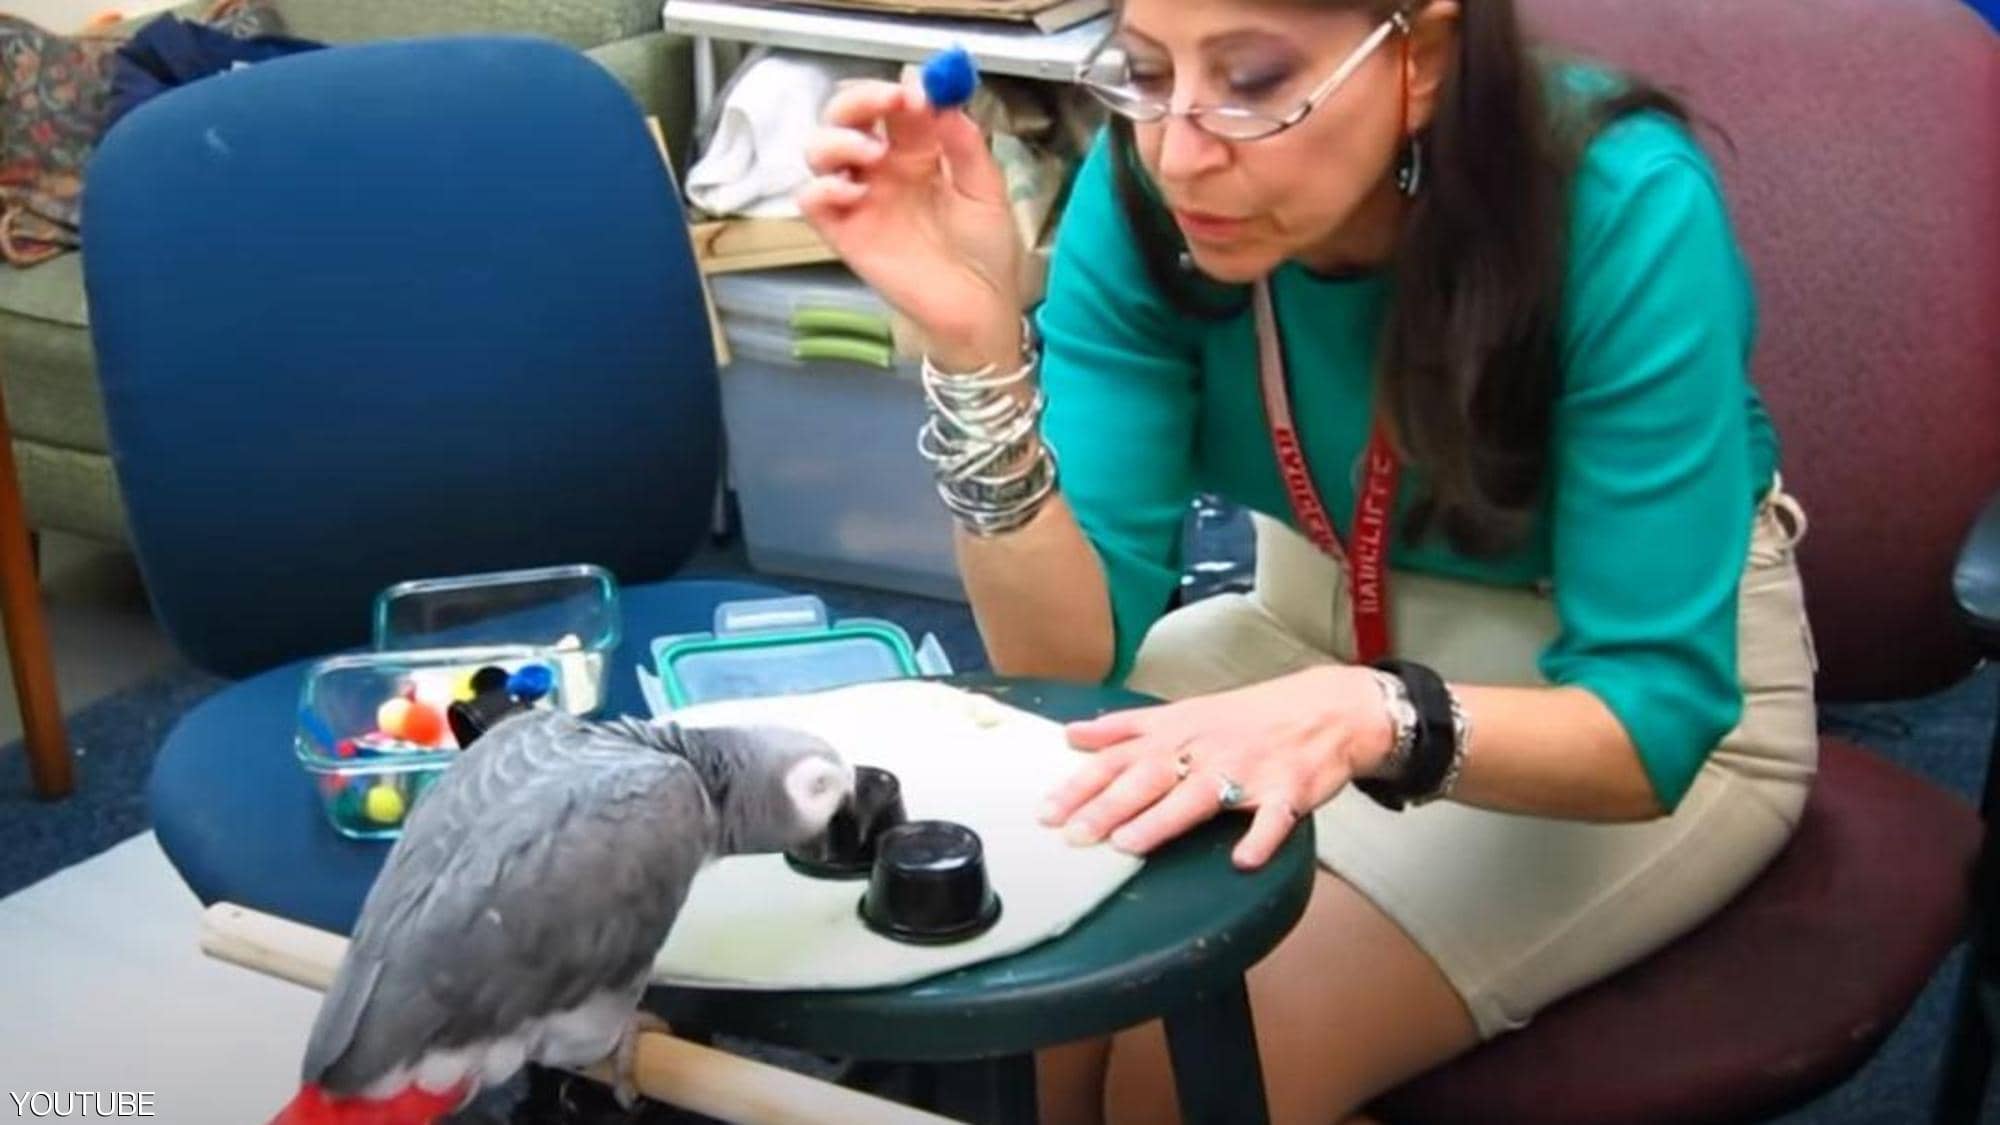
571,610
782,646
821,421
372,764
803,301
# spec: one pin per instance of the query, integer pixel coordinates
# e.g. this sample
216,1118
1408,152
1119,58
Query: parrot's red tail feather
413,1106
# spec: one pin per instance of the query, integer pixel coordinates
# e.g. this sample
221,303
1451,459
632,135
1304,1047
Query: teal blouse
1661,446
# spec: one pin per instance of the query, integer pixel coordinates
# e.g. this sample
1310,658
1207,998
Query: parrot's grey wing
545,868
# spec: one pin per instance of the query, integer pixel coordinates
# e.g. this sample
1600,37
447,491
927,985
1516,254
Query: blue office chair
373,313
392,310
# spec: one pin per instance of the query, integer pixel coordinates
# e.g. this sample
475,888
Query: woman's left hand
1289,744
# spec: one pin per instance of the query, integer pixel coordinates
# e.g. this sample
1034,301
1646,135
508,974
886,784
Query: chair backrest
1865,186
384,311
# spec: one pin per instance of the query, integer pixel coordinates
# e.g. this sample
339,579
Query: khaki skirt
1518,911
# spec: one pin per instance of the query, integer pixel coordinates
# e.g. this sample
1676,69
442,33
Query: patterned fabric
245,19
54,95
52,99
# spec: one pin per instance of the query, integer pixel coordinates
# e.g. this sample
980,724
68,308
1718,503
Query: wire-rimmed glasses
1108,74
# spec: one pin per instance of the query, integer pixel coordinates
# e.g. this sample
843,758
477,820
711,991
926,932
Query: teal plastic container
784,646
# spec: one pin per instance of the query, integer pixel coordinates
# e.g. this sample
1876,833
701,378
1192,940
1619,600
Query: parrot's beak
849,809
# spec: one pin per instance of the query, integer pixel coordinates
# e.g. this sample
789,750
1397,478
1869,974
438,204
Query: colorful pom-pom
384,804
390,716
532,682
347,802
950,77
488,679
423,724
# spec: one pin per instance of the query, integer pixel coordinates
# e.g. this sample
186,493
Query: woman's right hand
914,203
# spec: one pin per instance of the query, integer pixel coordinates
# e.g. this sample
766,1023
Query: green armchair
47,370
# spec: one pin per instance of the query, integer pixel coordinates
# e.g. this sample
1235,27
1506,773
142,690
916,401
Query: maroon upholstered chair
1865,183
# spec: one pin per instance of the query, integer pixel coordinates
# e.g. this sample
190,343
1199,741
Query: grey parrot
517,918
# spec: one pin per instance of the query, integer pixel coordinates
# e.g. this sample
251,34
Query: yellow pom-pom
384,804
463,691
389,717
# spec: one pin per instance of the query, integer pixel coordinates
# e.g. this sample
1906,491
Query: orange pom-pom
423,724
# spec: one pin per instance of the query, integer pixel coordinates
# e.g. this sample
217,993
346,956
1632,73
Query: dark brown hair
1467,372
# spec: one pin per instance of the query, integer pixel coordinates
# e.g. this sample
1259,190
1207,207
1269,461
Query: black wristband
1436,742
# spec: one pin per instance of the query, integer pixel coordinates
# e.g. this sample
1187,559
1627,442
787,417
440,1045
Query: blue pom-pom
532,682
950,77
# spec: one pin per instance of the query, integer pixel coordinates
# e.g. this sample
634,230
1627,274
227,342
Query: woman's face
1321,191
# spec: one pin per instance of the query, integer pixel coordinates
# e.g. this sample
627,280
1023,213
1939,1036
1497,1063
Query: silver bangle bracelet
1402,715
989,513
999,489
955,453
1461,744
1461,747
983,443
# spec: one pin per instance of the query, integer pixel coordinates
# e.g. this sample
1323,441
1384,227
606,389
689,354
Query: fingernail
1048,813
1081,832
1122,840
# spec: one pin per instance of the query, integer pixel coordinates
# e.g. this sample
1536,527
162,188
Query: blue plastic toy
950,77
531,682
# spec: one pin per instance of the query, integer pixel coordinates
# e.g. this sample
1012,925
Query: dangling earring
1410,166
1410,161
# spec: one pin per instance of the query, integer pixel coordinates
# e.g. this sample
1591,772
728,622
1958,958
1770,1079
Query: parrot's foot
625,1082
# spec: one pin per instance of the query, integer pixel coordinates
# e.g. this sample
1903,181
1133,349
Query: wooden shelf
733,245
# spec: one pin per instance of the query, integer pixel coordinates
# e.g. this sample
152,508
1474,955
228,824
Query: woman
1469,331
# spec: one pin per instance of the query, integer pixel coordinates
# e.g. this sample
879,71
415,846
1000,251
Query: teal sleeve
1650,511
1121,379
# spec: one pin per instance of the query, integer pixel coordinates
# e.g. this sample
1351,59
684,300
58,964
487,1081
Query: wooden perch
666,1069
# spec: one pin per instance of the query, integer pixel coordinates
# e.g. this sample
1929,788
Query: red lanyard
1367,576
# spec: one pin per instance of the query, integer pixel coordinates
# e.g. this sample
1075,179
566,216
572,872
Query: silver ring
1229,793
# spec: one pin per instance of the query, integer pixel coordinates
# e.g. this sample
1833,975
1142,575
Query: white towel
756,160
751,922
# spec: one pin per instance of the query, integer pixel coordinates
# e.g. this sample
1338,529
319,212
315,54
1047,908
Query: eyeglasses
1107,73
